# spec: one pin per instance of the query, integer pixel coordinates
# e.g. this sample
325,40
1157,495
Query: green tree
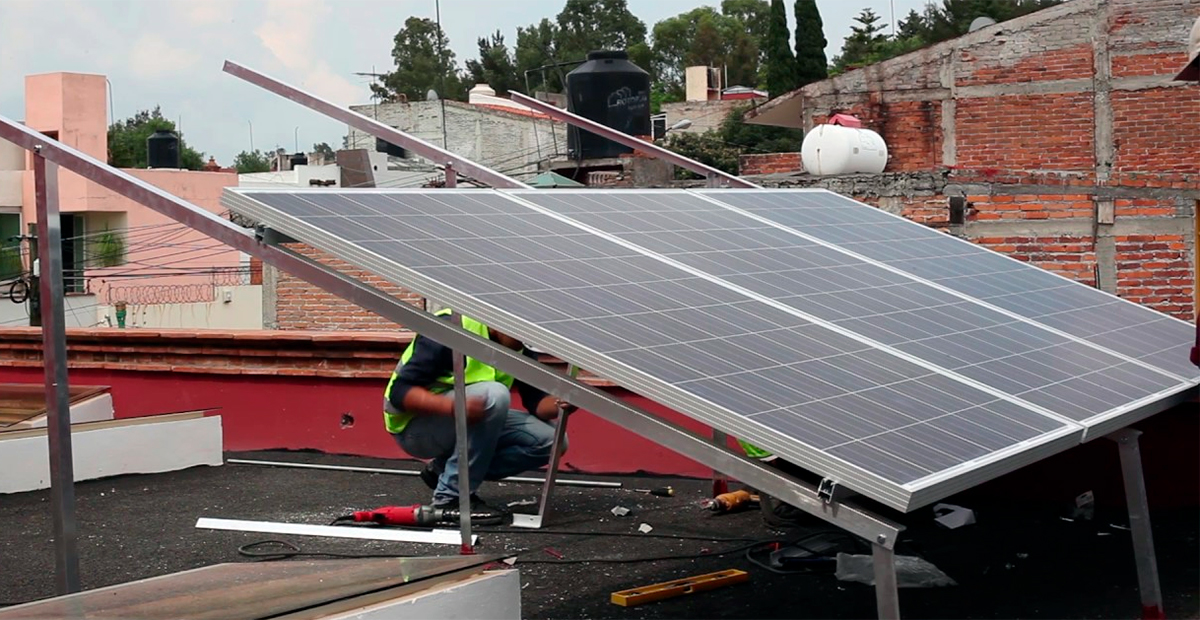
721,148
424,62
127,141
952,18
587,25
495,66
811,64
781,64
865,44
247,162
535,48
325,150
742,62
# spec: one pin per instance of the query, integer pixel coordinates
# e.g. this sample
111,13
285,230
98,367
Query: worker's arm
537,402
410,393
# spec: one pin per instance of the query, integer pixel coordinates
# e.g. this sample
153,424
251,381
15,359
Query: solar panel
895,310
1057,302
889,425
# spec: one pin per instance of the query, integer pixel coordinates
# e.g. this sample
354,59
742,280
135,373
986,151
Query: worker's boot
481,512
431,472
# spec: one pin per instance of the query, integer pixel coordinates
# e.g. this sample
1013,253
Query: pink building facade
159,254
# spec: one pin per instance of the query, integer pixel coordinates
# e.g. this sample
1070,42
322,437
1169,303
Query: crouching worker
419,413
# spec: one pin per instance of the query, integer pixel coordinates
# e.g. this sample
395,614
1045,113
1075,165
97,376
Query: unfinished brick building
1063,129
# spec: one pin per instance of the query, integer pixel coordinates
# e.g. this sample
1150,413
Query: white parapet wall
112,448
235,307
491,595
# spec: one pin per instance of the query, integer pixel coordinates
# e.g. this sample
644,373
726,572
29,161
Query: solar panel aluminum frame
903,497
1094,427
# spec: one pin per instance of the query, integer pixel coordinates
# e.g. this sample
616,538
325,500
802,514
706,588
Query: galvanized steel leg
54,352
720,483
1139,522
887,593
560,431
462,444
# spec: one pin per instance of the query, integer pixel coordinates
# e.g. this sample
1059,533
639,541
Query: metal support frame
887,590
451,176
846,515
1139,522
560,432
425,149
716,178
462,441
54,354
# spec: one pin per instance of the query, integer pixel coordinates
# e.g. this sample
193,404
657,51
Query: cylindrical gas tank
834,149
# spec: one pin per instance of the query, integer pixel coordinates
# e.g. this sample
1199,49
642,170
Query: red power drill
417,515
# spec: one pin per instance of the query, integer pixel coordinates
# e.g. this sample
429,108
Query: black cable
656,558
292,551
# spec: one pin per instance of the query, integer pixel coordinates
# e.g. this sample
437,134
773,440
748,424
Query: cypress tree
781,65
811,64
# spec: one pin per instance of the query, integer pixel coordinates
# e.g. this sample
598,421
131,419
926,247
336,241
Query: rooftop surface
1016,561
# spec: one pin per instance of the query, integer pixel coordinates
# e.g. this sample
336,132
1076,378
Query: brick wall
1156,270
1070,256
297,304
769,163
1019,132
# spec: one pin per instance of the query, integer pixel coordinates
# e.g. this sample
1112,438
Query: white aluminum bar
433,153
604,484
713,175
560,433
54,353
434,537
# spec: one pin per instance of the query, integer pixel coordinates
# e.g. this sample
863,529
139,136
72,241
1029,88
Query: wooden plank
678,587
113,448
21,402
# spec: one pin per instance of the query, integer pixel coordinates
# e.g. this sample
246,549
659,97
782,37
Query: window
10,247
73,250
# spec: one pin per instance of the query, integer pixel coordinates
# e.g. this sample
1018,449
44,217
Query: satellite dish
431,95
981,22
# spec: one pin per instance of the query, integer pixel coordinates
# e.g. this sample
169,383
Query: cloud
208,12
153,57
290,33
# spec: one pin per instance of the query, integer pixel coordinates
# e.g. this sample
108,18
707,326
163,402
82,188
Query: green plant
108,250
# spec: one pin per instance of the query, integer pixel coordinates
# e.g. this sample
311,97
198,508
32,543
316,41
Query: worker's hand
564,406
476,409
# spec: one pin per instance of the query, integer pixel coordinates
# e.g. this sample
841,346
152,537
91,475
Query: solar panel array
757,318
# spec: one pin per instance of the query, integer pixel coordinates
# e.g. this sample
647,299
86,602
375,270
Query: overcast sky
169,53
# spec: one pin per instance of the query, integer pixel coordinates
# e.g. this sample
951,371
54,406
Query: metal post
887,593
54,354
720,483
451,176
1139,522
463,447
560,431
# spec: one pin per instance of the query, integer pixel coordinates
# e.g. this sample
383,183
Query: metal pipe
796,492
603,484
462,444
54,353
429,151
619,137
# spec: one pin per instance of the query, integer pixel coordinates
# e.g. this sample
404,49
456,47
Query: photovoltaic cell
1081,311
690,339
961,336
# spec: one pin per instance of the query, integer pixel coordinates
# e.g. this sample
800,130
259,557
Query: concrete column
270,297
950,109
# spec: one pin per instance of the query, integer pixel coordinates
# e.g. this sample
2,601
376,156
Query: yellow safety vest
474,372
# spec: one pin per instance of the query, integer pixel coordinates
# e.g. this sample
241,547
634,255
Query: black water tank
299,159
162,150
612,91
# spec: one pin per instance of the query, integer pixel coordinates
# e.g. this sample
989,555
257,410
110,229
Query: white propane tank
834,149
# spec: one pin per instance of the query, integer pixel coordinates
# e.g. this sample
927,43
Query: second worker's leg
524,444
483,437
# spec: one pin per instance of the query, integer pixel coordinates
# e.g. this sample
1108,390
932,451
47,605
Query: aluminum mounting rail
432,152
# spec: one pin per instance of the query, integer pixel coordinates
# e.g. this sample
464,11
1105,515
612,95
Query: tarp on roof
553,179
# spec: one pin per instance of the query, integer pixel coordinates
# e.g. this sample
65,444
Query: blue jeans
504,443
